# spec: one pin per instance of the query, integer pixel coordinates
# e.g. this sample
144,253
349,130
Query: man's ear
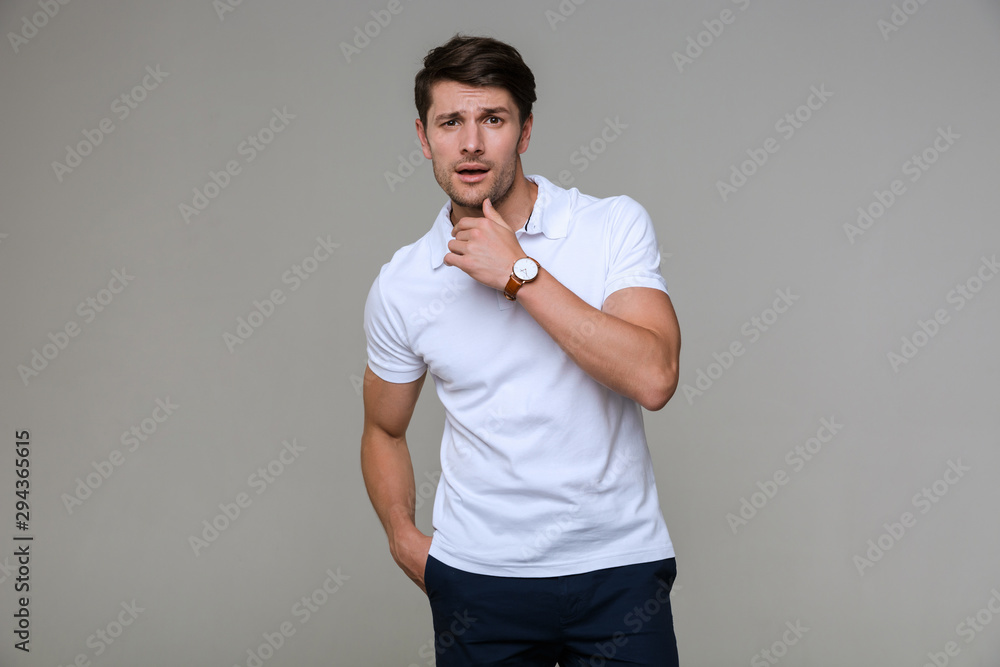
422,135
522,144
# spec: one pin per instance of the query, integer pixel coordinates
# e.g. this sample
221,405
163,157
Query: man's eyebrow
495,111
483,111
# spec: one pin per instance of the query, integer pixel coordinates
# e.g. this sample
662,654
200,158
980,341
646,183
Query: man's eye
494,118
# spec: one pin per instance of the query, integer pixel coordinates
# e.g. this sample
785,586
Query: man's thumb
491,213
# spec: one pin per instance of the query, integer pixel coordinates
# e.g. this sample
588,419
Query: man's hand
485,248
410,549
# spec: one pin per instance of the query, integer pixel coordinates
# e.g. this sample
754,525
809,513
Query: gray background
298,375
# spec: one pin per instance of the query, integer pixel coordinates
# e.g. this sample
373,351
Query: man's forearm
622,356
388,474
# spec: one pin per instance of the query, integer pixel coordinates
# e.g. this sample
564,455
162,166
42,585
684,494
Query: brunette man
544,320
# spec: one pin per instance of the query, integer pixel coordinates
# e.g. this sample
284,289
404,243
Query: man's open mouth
472,174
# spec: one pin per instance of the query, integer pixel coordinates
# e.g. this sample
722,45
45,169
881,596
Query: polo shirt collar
550,216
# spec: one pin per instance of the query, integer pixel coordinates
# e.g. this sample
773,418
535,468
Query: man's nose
472,139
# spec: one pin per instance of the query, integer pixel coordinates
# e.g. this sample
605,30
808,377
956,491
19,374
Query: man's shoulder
609,205
408,260
609,210
582,202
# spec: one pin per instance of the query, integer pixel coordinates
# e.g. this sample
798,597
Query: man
544,320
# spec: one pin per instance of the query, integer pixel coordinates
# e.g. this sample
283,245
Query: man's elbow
661,389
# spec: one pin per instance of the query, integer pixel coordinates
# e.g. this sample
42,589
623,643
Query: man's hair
476,61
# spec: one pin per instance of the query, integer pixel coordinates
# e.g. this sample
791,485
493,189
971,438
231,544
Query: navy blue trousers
605,618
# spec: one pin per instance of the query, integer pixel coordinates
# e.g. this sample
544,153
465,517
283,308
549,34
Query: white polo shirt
544,471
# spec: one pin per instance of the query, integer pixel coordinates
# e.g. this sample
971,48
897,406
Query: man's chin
470,196
469,203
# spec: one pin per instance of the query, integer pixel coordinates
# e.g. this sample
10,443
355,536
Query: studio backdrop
196,198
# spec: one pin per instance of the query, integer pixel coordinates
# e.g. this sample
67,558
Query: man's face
473,140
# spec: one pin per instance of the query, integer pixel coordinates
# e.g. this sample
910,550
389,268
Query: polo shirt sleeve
389,353
633,254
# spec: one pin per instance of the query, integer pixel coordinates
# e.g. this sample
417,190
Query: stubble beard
464,195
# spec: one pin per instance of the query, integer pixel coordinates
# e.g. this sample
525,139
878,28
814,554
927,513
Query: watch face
525,269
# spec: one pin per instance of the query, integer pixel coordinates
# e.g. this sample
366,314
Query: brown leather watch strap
513,284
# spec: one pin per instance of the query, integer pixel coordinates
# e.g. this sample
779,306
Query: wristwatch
524,271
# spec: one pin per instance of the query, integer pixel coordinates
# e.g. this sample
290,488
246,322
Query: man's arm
388,469
632,345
